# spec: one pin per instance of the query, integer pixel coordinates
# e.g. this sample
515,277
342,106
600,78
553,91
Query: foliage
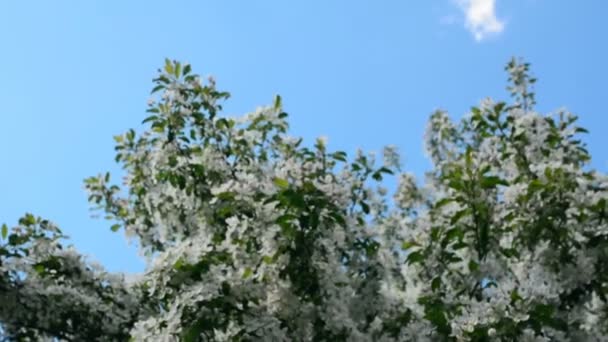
252,236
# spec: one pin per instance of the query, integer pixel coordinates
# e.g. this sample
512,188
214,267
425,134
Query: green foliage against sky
252,236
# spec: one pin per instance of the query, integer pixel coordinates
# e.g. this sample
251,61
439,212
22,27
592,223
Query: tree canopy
250,235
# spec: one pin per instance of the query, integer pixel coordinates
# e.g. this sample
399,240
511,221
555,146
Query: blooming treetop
251,236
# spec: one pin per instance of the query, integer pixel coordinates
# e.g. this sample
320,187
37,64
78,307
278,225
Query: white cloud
480,18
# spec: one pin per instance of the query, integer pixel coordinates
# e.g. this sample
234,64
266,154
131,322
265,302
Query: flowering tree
250,236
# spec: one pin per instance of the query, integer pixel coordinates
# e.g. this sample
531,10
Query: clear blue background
363,73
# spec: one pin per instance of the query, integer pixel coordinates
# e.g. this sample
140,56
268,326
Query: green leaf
415,257
281,183
168,66
292,198
277,102
193,332
27,220
340,155
158,127
39,268
226,196
221,123
434,311
435,231
601,204
460,214
178,69
248,272
436,283
338,218
515,296
157,88
118,138
499,107
14,239
377,176
285,219
288,230
468,157
443,202
385,170
150,118
456,184
365,208
115,227
409,244
492,181
179,264
454,233
535,185
4,231
473,266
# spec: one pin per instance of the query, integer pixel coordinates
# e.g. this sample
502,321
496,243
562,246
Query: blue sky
363,73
